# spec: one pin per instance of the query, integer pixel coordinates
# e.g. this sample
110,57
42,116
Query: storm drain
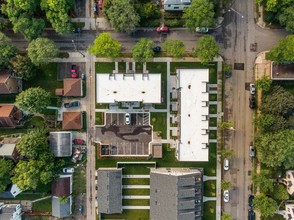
238,66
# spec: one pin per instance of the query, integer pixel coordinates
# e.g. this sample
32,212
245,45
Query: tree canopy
276,149
105,46
142,51
226,216
33,100
33,143
42,50
280,192
122,15
267,206
264,83
263,181
7,50
22,66
6,167
199,14
287,18
174,48
226,185
207,49
283,51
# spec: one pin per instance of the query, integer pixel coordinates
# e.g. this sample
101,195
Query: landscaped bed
133,214
135,202
209,210
138,192
210,188
158,120
43,205
99,118
135,181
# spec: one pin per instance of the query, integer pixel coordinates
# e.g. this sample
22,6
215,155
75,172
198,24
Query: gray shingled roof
176,193
61,210
61,143
109,190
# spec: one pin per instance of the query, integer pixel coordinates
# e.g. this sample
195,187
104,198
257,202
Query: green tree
105,46
174,48
142,51
276,149
287,18
207,49
267,206
33,143
264,83
57,13
63,199
7,50
33,100
226,124
283,51
263,181
280,192
227,153
123,16
226,216
150,11
22,67
226,185
199,14
42,50
6,167
277,101
270,123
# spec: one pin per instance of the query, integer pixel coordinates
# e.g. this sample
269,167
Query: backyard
158,121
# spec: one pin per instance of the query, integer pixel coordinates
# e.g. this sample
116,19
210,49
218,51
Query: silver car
226,196
251,151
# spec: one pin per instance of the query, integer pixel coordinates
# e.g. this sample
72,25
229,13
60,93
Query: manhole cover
253,47
238,66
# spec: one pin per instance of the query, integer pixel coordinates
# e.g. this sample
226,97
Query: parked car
156,49
226,164
162,29
77,30
127,119
202,29
83,76
78,141
68,170
251,151
251,214
74,71
252,88
95,9
252,101
250,200
226,196
81,209
100,4
71,104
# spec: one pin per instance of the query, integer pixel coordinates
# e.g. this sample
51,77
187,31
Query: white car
226,196
68,170
252,88
127,119
226,164
201,29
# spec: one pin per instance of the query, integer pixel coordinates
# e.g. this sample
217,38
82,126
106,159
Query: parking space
64,70
123,139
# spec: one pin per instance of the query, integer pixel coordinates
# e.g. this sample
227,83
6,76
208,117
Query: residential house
288,181
109,183
61,143
9,83
61,196
282,71
71,88
176,193
10,211
288,213
72,121
9,151
176,5
10,116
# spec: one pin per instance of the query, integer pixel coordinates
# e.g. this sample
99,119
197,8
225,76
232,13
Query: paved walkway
37,200
206,199
136,197
136,207
205,178
136,186
136,176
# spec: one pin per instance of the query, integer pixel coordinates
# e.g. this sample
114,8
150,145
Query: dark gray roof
61,143
61,210
109,190
176,193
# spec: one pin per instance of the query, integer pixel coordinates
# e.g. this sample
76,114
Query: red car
162,29
100,4
74,71
78,141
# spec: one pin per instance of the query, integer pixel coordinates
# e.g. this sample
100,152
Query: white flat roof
193,112
128,88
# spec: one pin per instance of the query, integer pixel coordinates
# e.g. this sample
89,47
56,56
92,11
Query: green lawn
132,169
213,122
160,67
101,106
99,118
79,181
212,97
36,121
7,98
129,215
104,67
158,120
210,188
212,109
135,202
275,217
213,134
135,181
209,210
138,192
43,205
30,196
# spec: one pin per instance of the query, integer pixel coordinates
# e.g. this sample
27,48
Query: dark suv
252,101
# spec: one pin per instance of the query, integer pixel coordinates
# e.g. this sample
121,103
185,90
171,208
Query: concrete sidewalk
136,197
137,176
136,186
136,207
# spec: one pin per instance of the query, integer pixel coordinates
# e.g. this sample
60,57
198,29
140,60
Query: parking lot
64,70
126,140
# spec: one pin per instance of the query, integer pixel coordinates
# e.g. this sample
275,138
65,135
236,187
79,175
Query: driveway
64,70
